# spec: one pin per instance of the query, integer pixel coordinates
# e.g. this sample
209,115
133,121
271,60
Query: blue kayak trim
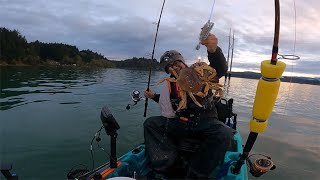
135,162
234,156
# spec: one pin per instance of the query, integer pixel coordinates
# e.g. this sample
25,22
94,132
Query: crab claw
219,93
199,70
183,101
166,79
194,99
173,72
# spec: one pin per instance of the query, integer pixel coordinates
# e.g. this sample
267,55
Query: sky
122,29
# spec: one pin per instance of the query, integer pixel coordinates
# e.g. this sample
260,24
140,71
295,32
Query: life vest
174,89
174,92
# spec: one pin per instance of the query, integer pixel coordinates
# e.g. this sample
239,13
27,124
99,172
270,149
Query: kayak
134,163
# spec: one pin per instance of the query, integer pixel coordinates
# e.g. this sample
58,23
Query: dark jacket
218,62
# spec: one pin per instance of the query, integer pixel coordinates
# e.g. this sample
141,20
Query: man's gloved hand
211,42
149,94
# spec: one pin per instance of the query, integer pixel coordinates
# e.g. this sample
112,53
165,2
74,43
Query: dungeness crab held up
197,80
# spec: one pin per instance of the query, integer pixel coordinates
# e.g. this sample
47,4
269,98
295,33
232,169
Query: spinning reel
135,96
260,165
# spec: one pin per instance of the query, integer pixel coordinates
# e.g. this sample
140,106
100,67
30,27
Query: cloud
124,29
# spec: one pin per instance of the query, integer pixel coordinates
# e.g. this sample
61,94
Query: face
175,68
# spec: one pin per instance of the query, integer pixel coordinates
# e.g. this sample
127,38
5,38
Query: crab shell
195,80
206,72
189,81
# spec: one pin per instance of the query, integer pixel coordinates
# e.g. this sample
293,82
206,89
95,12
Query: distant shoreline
293,79
245,74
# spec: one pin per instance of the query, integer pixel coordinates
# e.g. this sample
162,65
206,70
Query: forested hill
15,50
138,63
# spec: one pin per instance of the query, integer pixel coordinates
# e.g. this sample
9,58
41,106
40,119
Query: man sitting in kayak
162,132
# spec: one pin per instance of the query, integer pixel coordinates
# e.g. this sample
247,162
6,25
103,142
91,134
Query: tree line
138,63
15,50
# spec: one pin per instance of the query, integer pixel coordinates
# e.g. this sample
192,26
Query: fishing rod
231,55
226,75
226,85
266,95
150,65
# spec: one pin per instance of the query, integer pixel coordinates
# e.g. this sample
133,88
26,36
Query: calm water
49,116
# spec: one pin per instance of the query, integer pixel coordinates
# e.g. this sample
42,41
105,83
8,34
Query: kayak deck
134,164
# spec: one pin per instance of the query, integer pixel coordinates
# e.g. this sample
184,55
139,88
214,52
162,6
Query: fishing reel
135,96
260,165
205,30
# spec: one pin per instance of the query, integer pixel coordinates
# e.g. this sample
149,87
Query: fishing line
97,138
152,57
199,57
91,152
214,1
83,171
292,57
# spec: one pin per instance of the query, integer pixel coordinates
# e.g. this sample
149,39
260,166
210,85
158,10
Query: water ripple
45,105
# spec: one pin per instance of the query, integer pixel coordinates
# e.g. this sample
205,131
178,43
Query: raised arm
215,55
218,62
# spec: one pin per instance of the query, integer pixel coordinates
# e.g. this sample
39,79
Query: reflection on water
292,136
22,83
293,99
49,116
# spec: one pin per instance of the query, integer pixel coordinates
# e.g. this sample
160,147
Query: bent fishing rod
266,94
152,56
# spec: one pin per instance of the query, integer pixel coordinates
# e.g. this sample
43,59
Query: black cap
170,57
